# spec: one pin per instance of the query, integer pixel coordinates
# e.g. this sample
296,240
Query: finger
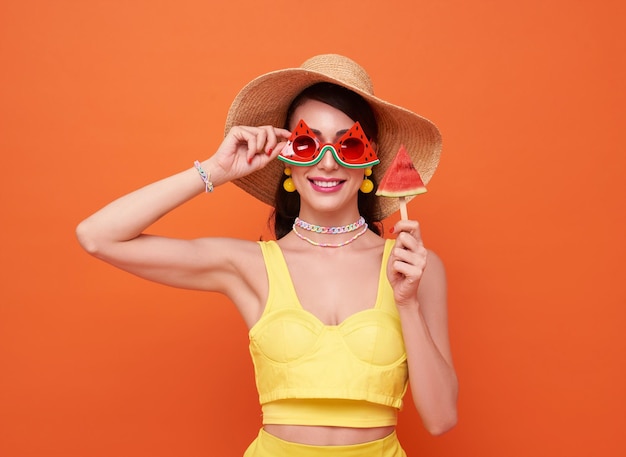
248,136
417,258
270,139
276,140
407,226
410,266
261,140
273,134
407,241
256,139
278,149
282,133
411,272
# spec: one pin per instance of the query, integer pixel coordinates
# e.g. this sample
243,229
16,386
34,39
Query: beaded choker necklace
329,230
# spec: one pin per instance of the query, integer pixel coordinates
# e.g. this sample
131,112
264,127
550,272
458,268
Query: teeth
326,183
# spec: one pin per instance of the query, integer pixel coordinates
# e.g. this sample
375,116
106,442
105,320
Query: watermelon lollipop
401,180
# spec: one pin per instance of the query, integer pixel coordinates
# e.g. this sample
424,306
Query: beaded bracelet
206,177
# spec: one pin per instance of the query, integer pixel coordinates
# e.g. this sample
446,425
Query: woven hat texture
265,100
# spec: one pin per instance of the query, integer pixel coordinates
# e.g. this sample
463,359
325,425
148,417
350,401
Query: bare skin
321,276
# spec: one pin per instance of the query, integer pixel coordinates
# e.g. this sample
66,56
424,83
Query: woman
339,318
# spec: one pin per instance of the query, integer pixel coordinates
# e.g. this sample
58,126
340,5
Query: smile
326,183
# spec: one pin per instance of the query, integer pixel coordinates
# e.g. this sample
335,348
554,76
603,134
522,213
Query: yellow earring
367,185
288,184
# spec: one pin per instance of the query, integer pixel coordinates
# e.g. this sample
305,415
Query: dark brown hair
287,205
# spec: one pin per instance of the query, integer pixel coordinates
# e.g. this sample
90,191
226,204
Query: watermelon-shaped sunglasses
352,150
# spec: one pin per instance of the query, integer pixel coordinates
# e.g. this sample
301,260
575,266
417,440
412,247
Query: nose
328,161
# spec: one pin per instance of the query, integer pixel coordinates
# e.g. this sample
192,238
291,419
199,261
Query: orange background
527,210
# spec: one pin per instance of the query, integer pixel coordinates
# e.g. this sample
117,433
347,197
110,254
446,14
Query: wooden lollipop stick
404,214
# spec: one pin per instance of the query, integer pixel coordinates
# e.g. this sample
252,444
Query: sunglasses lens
352,149
304,147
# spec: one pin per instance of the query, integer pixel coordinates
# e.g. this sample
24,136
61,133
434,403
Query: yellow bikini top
351,374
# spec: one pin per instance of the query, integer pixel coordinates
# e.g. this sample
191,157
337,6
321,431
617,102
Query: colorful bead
206,177
329,245
331,230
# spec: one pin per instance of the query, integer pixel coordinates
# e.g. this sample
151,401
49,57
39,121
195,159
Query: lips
326,185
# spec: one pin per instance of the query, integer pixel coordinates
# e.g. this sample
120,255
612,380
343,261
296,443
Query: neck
329,218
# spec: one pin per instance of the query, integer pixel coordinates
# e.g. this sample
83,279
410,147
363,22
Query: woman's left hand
406,262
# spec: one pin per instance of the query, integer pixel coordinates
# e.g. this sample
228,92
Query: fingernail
391,230
269,151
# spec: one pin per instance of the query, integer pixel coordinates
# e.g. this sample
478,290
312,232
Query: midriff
318,435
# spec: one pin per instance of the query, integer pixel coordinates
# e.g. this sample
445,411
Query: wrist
408,305
205,176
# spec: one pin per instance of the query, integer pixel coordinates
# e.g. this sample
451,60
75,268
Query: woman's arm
419,282
116,235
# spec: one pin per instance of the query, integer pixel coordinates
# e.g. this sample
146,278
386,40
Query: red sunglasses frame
366,158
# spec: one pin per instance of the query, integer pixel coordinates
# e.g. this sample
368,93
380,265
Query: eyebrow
338,134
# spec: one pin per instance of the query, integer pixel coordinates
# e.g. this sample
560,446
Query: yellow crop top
308,373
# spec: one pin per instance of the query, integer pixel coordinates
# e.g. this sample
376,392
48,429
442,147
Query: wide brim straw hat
265,100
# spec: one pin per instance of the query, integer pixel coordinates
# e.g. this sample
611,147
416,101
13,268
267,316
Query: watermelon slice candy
401,180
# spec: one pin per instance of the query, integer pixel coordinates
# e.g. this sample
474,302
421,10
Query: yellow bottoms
267,445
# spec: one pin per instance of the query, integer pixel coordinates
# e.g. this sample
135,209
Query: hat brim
265,100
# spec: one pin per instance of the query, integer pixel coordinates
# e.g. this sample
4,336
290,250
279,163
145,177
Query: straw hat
265,100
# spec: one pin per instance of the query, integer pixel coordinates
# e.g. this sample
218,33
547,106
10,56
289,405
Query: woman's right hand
246,149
